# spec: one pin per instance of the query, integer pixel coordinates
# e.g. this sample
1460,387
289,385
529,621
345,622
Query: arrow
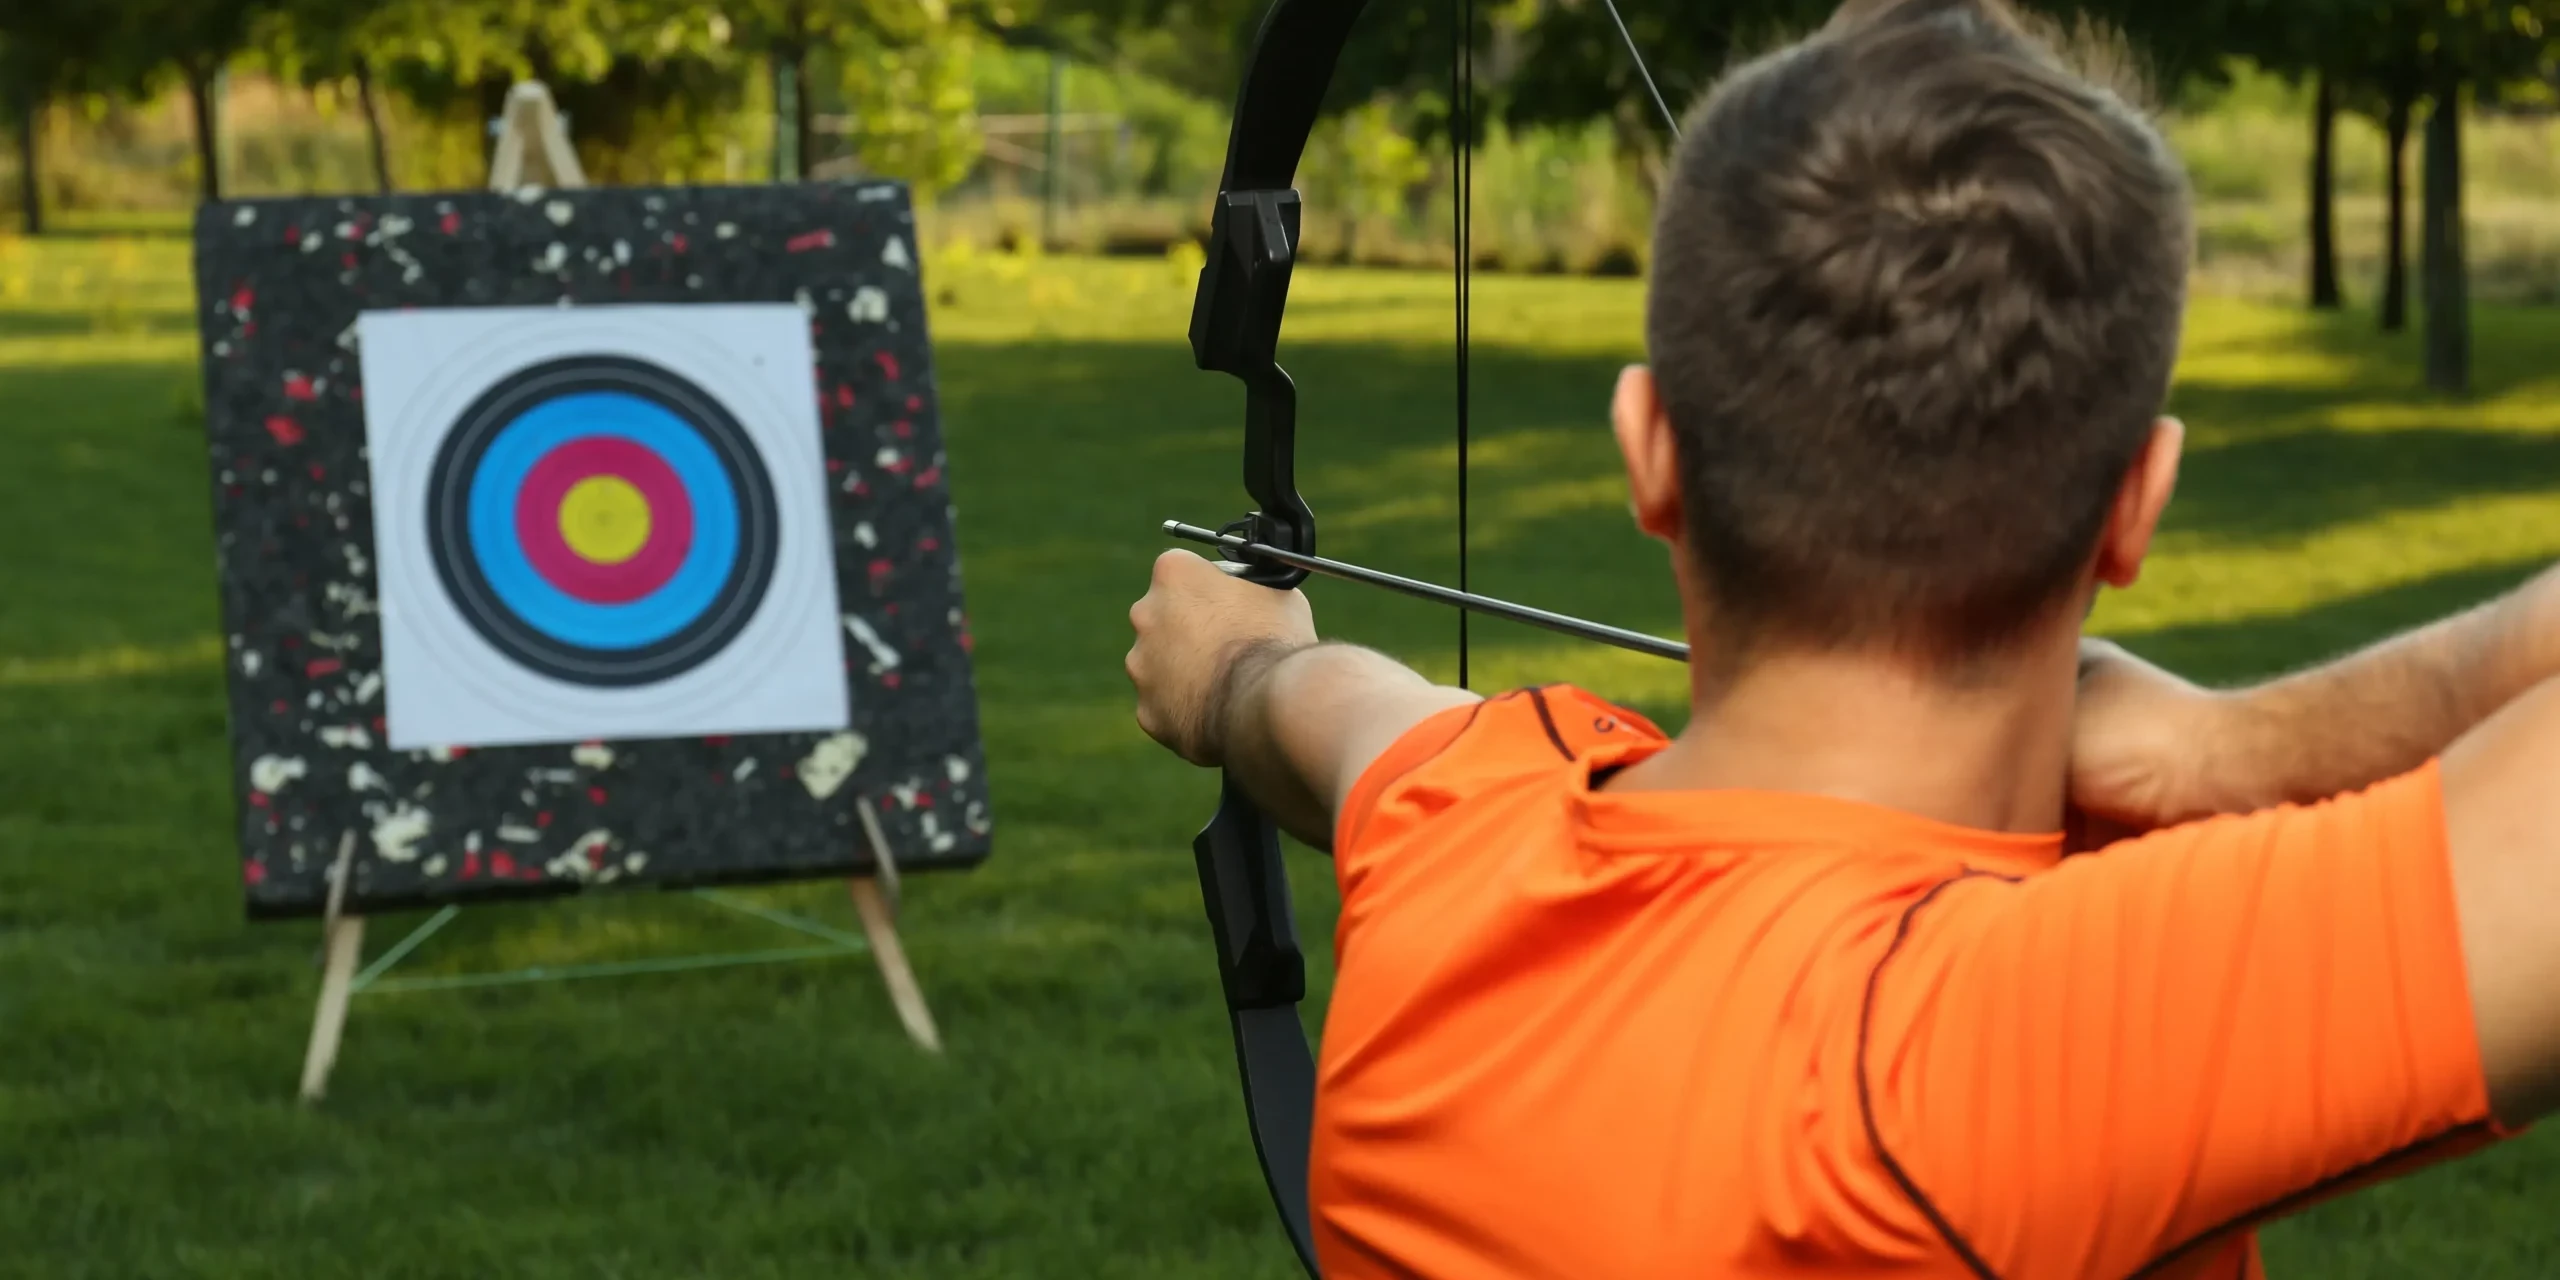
1240,548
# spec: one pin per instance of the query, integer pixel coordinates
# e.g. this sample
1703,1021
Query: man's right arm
2120,1061
2502,827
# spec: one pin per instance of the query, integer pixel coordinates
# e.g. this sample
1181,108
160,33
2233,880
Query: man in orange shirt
1811,990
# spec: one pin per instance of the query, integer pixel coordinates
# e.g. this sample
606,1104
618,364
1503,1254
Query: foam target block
582,538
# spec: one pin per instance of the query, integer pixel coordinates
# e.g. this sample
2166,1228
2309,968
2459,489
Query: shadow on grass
2345,354
137,226
2298,482
68,324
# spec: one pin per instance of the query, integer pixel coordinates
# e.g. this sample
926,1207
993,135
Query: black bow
1235,329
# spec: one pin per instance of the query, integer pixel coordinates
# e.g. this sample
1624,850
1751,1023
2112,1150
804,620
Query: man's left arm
2150,749
1302,727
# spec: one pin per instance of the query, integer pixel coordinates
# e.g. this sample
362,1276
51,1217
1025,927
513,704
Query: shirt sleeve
2120,1063
1466,751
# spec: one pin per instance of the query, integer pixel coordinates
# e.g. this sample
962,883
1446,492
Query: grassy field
773,1122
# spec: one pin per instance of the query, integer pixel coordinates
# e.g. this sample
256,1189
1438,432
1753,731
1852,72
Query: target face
602,521
607,522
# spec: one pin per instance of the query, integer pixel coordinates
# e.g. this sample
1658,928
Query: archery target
600,523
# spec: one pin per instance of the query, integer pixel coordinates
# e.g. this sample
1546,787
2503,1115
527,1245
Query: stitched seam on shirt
1866,1102
2283,1205
1547,720
1344,840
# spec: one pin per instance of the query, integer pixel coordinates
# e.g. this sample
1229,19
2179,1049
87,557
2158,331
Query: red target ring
541,527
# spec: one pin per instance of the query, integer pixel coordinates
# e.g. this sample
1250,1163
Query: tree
46,50
2385,58
2399,113
790,34
2373,56
2448,335
316,42
195,39
2464,46
2325,293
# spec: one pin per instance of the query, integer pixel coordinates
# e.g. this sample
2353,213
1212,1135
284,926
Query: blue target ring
693,455
525,592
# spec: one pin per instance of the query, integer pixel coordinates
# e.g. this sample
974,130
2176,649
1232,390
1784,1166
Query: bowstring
1462,108
1636,56
1462,111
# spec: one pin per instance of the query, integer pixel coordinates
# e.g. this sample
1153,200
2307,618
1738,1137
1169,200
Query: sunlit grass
772,1121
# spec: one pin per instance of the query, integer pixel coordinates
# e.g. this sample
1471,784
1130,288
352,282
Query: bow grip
1246,886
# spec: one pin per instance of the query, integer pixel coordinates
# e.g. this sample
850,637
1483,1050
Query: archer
1812,988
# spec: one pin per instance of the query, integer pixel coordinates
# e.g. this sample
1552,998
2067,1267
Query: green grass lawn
771,1122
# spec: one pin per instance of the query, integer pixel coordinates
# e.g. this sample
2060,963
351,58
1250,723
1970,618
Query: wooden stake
880,925
345,940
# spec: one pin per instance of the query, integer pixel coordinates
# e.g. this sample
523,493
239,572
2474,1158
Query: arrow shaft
1243,548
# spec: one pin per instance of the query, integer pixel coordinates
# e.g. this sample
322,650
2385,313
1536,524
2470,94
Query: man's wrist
1239,695
2525,631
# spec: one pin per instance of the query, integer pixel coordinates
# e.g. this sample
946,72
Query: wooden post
1053,171
344,936
787,159
880,926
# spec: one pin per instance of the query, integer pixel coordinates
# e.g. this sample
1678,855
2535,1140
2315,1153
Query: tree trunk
208,131
372,108
2448,295
2395,232
31,164
2325,294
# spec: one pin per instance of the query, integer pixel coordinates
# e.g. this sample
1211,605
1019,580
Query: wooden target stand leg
879,913
343,940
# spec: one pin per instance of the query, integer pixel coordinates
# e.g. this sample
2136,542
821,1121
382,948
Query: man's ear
2139,502
1652,454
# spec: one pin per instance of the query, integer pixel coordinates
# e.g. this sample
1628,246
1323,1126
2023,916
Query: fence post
786,122
1050,174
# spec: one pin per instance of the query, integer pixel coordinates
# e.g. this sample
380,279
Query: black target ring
720,582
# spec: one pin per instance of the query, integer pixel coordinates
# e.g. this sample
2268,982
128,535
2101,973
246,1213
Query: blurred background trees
1100,124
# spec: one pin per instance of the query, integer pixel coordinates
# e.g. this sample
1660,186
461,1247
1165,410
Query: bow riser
1235,329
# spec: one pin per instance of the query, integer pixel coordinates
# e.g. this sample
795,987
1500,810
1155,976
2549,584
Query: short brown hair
1916,295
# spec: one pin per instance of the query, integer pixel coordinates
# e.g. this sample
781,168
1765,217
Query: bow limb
1245,884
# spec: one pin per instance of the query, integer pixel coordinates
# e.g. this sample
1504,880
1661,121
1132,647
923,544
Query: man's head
1916,295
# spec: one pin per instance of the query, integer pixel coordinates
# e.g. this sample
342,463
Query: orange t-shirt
1588,1035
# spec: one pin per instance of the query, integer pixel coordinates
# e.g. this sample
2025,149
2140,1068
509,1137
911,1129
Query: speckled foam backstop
280,284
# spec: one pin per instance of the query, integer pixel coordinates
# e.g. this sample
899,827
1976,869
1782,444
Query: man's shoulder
2403,811
1485,745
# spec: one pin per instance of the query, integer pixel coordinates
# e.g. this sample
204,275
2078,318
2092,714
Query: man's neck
1988,755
